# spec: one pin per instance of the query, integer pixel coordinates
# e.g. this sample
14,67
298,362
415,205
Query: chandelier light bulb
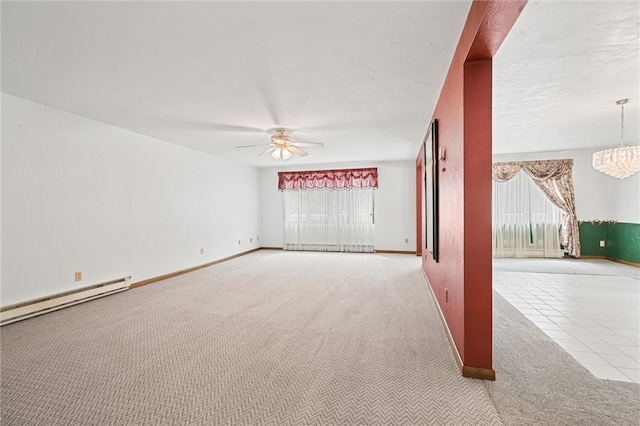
276,153
286,154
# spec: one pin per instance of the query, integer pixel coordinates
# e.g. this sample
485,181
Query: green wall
622,240
590,237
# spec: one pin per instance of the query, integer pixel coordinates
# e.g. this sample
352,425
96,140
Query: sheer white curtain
329,220
525,222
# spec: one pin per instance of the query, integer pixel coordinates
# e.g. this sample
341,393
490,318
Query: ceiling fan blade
267,150
315,144
298,151
268,94
253,146
233,128
209,125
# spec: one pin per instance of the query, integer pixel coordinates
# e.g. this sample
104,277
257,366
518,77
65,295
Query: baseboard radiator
20,311
351,248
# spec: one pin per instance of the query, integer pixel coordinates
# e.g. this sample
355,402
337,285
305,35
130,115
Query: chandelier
622,161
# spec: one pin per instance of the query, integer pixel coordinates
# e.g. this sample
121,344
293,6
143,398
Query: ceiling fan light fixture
280,140
622,161
282,148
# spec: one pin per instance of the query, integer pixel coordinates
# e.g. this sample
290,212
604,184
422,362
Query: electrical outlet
250,240
446,295
78,276
238,242
406,241
601,243
201,251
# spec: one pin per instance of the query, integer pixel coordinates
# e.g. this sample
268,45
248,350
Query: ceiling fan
281,146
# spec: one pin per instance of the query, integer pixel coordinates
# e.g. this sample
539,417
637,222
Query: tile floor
590,307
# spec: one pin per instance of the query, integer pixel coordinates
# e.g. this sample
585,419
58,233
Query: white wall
79,195
624,200
598,196
395,201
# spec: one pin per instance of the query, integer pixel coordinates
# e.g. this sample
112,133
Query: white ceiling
559,72
361,77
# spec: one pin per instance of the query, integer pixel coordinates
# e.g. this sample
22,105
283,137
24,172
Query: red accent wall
464,122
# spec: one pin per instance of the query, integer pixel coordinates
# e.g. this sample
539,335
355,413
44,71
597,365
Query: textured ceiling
361,77
559,72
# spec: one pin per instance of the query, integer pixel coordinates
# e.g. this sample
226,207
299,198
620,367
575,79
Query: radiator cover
20,311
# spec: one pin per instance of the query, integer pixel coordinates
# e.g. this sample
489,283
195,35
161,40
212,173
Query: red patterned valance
329,179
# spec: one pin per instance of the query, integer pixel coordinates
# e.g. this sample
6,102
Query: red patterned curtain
328,179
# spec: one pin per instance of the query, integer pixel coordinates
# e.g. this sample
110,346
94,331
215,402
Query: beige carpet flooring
539,384
271,338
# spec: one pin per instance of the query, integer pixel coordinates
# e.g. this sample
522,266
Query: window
331,210
525,222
